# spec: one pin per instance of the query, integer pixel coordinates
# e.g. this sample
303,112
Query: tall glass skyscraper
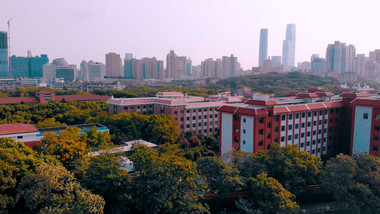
263,52
289,47
4,67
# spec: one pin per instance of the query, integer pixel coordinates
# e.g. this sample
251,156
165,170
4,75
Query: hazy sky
199,29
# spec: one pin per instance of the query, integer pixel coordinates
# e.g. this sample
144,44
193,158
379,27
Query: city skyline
200,30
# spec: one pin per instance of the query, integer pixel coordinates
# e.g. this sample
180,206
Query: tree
66,147
161,129
96,140
53,189
267,195
105,177
354,183
168,184
220,177
49,122
291,167
16,160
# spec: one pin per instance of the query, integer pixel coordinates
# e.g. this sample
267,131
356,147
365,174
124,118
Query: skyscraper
263,52
230,66
4,67
289,47
113,65
177,67
340,58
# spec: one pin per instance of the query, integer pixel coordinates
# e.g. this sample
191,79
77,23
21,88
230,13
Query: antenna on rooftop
9,47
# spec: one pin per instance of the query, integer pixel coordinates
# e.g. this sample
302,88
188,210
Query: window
132,107
199,124
268,136
193,124
331,120
314,123
181,111
216,115
269,113
325,121
205,123
244,120
320,131
314,132
331,111
199,110
375,148
302,135
290,116
275,139
269,125
210,115
126,108
308,134
289,137
308,143
205,109
187,111
296,126
308,124
315,113
313,142
377,128
313,151
244,142
296,136
290,127
181,126
302,144
261,143
205,116
199,117
309,114
187,125
261,120
243,131
303,125
282,128
326,112
261,131
320,112
181,118
20,137
175,112
365,115
282,139
297,115
282,117
376,138
275,118
303,114
276,129
138,107
236,117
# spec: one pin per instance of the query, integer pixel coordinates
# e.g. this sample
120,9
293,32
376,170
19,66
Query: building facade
289,47
178,67
113,65
263,51
4,66
230,66
145,68
192,113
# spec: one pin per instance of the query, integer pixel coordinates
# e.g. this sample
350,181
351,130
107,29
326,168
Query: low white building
25,133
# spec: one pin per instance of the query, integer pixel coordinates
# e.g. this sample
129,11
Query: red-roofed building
25,133
308,121
192,113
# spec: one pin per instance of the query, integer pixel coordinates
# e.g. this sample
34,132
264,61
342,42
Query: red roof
204,104
171,102
243,110
354,95
261,102
307,95
316,106
81,97
325,94
129,101
227,109
16,128
280,110
315,89
366,102
18,100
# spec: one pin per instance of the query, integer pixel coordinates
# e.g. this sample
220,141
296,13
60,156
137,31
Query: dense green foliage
354,183
48,114
145,91
126,126
279,83
31,92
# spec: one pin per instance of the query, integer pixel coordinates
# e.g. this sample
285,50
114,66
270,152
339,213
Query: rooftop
16,128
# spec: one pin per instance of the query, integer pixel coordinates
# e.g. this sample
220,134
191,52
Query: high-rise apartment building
263,52
230,66
113,65
177,67
128,56
211,68
96,70
4,66
289,47
340,58
28,67
59,69
276,60
317,63
145,68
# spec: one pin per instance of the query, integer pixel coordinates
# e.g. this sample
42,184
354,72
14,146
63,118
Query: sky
88,29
